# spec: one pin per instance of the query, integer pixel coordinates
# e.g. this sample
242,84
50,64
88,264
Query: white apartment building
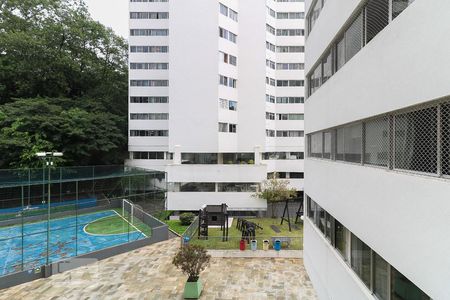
378,139
216,97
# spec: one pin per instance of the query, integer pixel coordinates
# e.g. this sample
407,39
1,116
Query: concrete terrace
147,273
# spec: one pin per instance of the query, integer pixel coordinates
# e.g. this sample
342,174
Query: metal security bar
416,140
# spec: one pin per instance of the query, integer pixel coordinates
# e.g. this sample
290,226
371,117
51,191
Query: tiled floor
147,273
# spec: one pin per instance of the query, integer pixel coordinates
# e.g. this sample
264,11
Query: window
270,98
354,38
223,127
327,68
290,83
199,158
149,66
316,144
290,66
198,187
290,15
270,29
340,238
148,155
237,187
289,117
380,277
296,175
327,142
270,133
148,83
270,64
149,49
290,32
403,289
238,158
228,35
228,12
271,81
314,15
398,6
340,54
376,142
149,133
227,58
149,15
149,99
340,144
360,259
320,218
314,81
290,49
232,127
223,9
290,133
416,140
227,81
149,116
149,32
290,100
282,155
270,46
352,143
232,105
377,17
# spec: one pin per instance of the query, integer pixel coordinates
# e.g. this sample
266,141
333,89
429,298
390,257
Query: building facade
378,149
216,97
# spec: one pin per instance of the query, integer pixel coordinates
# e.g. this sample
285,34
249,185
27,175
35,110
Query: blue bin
277,245
186,240
254,245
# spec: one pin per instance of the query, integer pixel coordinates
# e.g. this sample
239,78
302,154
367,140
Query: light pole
48,157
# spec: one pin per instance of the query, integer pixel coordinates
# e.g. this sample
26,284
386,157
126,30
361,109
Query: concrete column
177,155
257,155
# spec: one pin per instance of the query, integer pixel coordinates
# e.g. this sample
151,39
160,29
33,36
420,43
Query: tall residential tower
216,97
378,159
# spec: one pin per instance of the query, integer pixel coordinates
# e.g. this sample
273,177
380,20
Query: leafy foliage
192,260
63,84
186,218
275,190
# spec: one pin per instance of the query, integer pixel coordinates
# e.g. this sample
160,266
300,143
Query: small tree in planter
186,218
192,260
275,190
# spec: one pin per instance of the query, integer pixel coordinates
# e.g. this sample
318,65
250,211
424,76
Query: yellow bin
266,245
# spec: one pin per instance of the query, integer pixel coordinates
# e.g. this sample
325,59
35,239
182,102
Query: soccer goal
128,210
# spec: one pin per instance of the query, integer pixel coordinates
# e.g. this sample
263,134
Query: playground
214,228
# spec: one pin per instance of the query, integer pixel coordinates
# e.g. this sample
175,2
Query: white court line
129,223
94,234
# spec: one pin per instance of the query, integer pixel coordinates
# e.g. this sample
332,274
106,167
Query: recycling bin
186,240
277,245
254,245
265,245
242,245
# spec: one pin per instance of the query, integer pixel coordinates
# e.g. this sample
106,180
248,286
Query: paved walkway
147,273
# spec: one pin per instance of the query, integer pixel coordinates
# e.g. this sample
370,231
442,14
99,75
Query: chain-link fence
416,139
51,214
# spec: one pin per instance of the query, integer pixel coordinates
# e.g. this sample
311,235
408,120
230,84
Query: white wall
194,80
402,66
403,217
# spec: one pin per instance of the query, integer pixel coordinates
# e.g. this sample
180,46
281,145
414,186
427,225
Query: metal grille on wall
361,28
416,139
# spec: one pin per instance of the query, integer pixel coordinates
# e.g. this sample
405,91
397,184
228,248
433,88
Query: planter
193,290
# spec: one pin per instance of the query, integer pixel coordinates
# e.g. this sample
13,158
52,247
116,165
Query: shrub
186,218
192,260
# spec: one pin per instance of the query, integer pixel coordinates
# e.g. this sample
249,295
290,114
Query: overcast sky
111,13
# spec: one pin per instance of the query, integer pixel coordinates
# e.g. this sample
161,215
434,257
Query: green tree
63,84
274,190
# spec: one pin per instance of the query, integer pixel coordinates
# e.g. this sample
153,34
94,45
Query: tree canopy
63,84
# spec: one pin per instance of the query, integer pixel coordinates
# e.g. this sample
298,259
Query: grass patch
176,226
215,235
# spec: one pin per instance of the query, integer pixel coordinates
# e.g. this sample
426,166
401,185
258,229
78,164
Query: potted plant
192,260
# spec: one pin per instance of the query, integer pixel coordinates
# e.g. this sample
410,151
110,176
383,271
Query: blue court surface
67,239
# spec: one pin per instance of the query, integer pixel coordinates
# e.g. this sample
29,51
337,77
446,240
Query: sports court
27,245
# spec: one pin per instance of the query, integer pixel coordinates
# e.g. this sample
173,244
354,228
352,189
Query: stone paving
147,273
